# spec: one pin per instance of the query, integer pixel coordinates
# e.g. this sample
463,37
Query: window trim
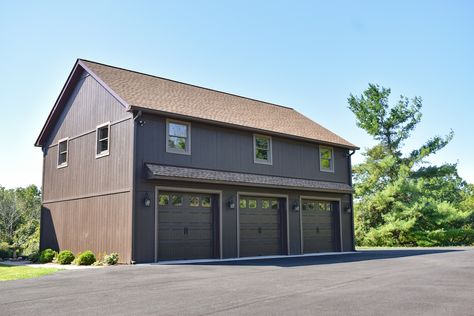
270,150
187,151
59,166
332,159
105,152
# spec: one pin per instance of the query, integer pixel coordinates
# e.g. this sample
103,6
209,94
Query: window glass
176,200
252,203
103,140
194,201
243,203
163,199
206,201
262,149
326,158
62,153
275,204
325,206
265,204
179,130
178,137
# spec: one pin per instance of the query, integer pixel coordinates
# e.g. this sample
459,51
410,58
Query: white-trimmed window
178,137
326,159
262,149
63,149
102,140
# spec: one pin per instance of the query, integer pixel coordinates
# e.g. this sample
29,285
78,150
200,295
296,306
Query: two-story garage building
157,170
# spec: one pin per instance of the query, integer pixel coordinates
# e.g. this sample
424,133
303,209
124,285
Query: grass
8,273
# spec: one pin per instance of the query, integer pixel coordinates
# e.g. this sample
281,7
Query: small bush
65,257
111,259
47,255
5,251
86,258
34,256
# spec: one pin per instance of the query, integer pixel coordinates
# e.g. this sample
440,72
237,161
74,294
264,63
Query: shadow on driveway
362,255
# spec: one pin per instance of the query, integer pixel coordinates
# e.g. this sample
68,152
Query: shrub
111,259
86,258
65,257
47,255
34,256
5,251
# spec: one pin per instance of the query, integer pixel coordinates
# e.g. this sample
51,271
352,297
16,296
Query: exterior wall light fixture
147,200
231,203
296,206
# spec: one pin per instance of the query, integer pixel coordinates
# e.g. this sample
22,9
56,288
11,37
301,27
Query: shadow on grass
361,255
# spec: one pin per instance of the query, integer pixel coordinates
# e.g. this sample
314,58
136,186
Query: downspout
132,162
351,202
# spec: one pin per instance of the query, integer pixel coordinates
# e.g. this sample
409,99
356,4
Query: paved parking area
381,282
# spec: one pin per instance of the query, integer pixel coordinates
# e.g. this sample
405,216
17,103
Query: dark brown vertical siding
85,174
100,224
87,205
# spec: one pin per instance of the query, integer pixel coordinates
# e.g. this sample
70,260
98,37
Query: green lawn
8,273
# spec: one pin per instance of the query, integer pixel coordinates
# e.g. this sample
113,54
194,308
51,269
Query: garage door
185,225
318,226
260,221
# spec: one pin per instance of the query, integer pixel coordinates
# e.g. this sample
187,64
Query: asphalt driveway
392,282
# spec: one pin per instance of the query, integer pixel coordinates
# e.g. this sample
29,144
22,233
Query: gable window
63,145
178,137
102,140
262,148
326,159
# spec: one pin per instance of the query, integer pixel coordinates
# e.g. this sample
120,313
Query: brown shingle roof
164,95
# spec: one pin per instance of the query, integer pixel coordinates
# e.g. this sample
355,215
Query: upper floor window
63,145
262,146
102,140
326,159
178,137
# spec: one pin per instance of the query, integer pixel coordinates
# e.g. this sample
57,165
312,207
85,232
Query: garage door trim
285,196
191,190
318,198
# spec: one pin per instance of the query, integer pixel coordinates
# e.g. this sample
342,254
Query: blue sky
307,55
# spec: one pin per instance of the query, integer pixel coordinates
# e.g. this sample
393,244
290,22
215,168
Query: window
275,204
176,200
163,200
243,203
326,159
262,148
194,201
206,201
102,140
252,203
178,137
63,145
265,204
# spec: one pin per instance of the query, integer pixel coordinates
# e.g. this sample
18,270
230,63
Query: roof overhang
165,172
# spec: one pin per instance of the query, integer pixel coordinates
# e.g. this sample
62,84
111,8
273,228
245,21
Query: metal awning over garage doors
262,225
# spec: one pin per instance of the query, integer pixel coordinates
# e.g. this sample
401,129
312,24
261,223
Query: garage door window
265,204
206,201
163,200
176,200
252,203
275,204
194,201
325,206
243,203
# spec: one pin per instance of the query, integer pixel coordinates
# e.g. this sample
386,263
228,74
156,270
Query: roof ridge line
188,84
